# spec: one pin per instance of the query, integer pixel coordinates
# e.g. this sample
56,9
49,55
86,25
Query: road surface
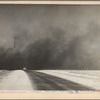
32,80
49,82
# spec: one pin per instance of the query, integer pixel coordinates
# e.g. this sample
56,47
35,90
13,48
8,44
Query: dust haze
50,37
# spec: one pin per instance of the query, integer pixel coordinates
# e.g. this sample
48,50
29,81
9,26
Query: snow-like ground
89,78
16,80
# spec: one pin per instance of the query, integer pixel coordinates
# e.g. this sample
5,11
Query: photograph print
49,47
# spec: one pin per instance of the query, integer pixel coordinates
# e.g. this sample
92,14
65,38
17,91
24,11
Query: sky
67,36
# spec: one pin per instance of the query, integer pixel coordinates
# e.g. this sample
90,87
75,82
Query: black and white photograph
49,47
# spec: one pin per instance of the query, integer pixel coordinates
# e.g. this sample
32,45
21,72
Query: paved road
49,82
33,80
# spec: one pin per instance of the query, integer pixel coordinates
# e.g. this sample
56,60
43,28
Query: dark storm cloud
49,36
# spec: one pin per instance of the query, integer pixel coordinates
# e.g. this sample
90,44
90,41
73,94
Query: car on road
24,68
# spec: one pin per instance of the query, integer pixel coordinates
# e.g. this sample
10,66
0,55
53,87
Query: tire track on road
49,82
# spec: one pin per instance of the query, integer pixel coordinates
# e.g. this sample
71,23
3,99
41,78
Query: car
24,68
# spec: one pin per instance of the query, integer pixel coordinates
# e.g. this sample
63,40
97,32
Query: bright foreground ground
49,80
16,80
